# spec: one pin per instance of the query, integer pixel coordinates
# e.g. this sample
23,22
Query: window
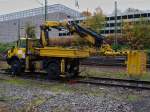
102,32
137,16
112,31
118,31
144,15
107,25
112,18
112,24
118,24
107,31
119,17
124,17
107,18
130,16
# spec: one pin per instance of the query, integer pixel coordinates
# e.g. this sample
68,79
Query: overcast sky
8,6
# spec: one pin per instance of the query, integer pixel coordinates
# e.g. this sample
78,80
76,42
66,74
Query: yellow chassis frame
62,52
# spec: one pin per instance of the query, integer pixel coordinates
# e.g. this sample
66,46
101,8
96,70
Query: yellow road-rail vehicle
56,60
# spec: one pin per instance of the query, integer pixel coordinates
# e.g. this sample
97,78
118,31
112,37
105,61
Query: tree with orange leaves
137,34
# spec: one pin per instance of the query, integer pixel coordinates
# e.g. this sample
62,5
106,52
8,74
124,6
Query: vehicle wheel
73,69
76,70
53,71
15,67
32,67
23,69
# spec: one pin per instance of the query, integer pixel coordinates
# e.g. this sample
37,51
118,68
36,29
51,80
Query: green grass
145,77
113,74
18,81
6,46
98,73
132,98
54,87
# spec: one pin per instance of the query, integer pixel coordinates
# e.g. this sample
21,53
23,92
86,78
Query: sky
9,6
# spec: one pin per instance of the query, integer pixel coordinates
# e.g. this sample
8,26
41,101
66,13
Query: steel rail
111,82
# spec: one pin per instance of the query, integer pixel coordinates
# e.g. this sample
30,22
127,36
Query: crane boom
95,39
91,36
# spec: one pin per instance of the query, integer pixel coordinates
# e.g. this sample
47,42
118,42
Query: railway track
110,82
97,81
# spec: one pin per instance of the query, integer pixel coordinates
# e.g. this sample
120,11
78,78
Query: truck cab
16,56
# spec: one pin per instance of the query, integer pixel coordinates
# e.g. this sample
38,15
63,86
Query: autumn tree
137,34
95,22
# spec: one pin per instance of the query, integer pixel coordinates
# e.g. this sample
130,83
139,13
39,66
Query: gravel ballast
27,95
36,99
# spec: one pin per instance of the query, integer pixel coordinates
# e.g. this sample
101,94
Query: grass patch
64,109
132,98
4,98
55,87
33,105
98,73
6,46
18,81
146,77
112,74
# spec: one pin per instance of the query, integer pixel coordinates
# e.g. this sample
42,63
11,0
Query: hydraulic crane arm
91,36
95,39
45,28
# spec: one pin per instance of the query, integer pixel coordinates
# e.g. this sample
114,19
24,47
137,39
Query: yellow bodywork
18,52
62,52
54,23
136,63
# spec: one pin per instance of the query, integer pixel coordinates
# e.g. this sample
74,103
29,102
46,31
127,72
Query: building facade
130,15
14,24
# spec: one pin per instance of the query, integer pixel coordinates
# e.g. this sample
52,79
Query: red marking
72,82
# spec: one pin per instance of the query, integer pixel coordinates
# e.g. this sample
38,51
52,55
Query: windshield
22,44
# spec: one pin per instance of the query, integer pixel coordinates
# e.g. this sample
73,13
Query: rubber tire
76,70
73,70
15,67
32,67
53,71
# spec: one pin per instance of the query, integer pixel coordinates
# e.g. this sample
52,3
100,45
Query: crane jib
83,31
